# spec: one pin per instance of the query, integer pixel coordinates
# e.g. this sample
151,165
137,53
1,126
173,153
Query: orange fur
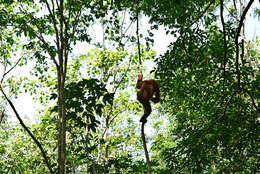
147,90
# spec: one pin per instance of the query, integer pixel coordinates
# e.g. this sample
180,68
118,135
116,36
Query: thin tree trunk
62,124
61,99
107,139
149,169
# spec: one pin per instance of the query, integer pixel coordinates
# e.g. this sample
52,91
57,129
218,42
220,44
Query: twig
145,150
224,113
233,15
11,69
236,40
28,131
115,89
202,14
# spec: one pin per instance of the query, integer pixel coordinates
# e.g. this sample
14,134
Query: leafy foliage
208,120
214,120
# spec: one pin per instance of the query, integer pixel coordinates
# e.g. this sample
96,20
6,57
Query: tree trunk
149,167
62,124
107,139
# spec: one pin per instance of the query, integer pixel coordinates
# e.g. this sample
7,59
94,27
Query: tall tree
209,86
52,27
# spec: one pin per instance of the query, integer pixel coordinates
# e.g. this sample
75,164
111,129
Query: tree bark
61,70
62,124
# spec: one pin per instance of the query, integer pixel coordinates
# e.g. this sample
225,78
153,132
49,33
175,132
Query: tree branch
201,15
28,131
68,37
40,37
224,113
2,115
236,40
145,150
252,98
11,69
138,40
52,13
225,41
114,91
61,35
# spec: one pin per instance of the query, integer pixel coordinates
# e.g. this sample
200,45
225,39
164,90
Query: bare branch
116,88
52,13
138,40
236,40
70,36
225,41
57,3
145,150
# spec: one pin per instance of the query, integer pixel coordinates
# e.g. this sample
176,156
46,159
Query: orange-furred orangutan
148,88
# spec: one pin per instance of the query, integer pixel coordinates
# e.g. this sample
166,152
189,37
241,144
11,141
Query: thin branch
128,27
123,21
138,41
2,115
52,13
225,41
111,121
224,113
201,15
124,75
11,69
69,37
115,89
146,151
75,26
234,16
57,3
126,32
28,131
235,6
236,40
40,37
252,98
61,35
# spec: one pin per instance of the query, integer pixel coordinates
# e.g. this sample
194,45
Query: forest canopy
73,66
